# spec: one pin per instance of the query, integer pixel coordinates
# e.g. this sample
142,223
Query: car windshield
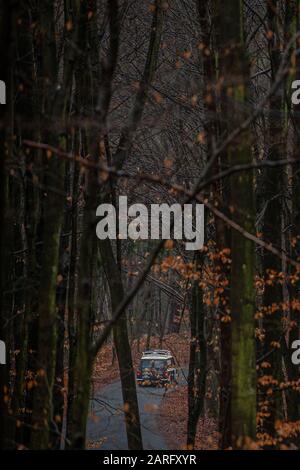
153,364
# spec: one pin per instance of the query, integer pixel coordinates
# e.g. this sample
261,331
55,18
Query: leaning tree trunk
120,334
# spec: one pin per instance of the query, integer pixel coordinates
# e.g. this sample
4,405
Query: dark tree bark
120,334
99,106
198,359
52,223
293,399
8,22
234,69
272,197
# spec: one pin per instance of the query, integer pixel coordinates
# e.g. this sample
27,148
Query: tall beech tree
52,214
272,217
234,70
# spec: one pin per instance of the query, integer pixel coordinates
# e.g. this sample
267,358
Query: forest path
106,426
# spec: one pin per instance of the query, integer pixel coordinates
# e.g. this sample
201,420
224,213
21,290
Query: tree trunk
123,351
272,187
234,69
8,23
198,360
52,223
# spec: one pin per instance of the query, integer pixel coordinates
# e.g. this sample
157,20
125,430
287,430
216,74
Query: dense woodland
162,101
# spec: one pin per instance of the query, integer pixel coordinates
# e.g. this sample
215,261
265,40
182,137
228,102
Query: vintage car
157,367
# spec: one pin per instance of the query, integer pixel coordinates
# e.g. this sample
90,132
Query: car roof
155,354
155,357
